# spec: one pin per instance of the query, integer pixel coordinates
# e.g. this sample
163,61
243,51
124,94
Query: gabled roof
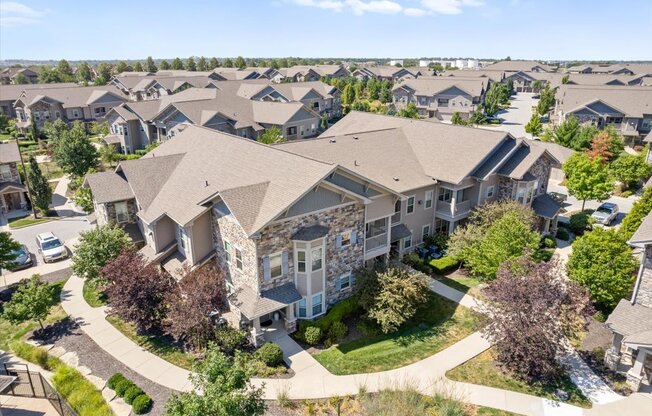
432,86
495,76
525,66
12,92
71,97
108,187
147,177
9,152
643,235
383,71
634,321
632,101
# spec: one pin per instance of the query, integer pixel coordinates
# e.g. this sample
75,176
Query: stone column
612,356
635,374
290,319
257,337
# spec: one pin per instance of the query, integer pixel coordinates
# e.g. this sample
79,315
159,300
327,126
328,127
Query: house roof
495,76
147,177
643,234
12,92
9,152
399,232
71,97
633,101
310,233
545,206
253,305
525,66
108,187
431,86
385,71
634,321
401,154
321,70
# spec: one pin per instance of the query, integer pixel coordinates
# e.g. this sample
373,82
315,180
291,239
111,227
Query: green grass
27,221
447,323
12,332
153,344
483,370
93,295
51,170
461,282
80,393
490,411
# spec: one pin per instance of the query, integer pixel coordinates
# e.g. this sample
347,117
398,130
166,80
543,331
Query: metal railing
453,210
376,242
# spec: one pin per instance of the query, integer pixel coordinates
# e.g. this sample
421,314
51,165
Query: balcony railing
376,242
454,210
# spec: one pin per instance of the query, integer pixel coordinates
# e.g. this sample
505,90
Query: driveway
517,115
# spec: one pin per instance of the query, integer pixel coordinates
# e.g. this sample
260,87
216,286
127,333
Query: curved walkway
312,381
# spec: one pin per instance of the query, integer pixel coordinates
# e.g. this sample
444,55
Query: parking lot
517,115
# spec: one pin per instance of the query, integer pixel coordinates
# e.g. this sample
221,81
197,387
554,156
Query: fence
33,384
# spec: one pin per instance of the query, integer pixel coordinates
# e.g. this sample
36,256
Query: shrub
34,355
562,234
543,255
230,339
271,354
336,313
444,264
337,331
368,328
417,263
313,335
579,223
141,404
114,379
548,241
626,194
131,393
122,386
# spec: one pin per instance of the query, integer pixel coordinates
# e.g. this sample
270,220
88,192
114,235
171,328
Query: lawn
156,345
51,170
483,370
461,282
437,325
27,221
92,295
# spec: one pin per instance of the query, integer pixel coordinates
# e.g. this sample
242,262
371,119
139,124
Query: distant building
393,62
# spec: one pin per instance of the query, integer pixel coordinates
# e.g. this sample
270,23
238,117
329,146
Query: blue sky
526,29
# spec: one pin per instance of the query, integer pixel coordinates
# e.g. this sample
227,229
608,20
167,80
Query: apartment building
520,66
383,73
12,191
304,73
9,93
8,75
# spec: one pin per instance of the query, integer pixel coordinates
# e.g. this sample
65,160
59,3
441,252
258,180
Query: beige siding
165,233
202,241
382,206
421,216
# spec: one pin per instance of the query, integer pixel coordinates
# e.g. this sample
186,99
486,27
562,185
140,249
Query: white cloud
360,7
18,14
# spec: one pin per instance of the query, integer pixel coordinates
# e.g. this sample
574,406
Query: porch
12,199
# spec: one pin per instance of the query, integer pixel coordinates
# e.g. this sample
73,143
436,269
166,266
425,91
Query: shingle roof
495,76
633,101
108,187
399,232
545,206
521,161
310,233
252,305
146,177
435,85
643,235
9,152
525,66
71,97
634,321
12,92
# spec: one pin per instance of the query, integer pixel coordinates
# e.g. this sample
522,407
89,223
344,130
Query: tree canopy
73,152
31,301
96,248
587,179
271,135
39,187
639,211
7,247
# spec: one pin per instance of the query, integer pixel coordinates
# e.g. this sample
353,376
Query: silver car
605,214
50,247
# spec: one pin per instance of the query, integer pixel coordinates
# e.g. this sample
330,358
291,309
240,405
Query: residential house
9,93
86,104
287,231
383,73
556,79
441,97
304,73
631,321
140,86
8,75
12,190
628,109
442,171
236,74
613,69
519,66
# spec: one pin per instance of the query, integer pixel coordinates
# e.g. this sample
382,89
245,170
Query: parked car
605,214
494,120
544,118
50,247
22,259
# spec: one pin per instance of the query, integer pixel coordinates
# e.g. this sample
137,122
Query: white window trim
345,275
429,232
343,233
407,205
405,240
323,306
305,260
280,254
426,200
235,257
321,248
117,217
493,191
227,251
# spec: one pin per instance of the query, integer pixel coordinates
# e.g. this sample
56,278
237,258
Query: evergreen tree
190,64
228,63
150,65
213,63
104,71
121,67
39,187
177,64
240,62
84,73
164,65
138,67
65,70
202,65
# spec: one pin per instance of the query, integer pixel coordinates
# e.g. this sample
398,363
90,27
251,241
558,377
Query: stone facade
277,237
14,175
505,188
541,170
644,293
226,228
110,215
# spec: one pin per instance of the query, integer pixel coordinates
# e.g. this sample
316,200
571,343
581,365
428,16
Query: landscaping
28,220
132,394
484,370
93,295
437,324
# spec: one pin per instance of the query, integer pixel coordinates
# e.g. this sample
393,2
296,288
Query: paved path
516,116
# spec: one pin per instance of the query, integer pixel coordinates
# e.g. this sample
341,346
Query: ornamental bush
313,335
579,223
230,339
141,404
114,379
337,331
122,386
562,234
131,393
271,354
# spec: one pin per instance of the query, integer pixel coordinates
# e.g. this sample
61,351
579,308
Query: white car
50,247
605,214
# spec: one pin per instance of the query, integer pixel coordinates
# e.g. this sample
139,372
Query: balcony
375,243
449,209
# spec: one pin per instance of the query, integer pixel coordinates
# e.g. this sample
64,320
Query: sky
135,29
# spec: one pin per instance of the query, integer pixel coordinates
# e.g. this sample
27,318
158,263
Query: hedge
114,379
336,313
271,354
132,394
141,404
444,264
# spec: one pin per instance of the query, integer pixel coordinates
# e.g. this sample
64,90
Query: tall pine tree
41,192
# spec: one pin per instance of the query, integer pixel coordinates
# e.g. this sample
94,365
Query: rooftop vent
332,141
205,183
395,178
355,137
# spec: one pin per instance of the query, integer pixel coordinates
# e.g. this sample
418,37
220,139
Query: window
5,172
346,239
315,105
345,281
442,102
292,131
57,114
376,228
428,202
276,264
301,261
238,259
75,113
100,110
407,242
441,226
121,212
227,251
317,304
316,257
396,218
490,191
302,308
302,130
425,232
445,194
410,205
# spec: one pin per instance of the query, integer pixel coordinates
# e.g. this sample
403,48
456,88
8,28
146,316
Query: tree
533,309
240,62
199,293
7,247
121,67
605,146
565,79
108,154
385,92
83,198
104,70
493,98
64,70
640,210
213,63
201,64
546,100
138,67
96,248
410,111
99,129
20,79
137,290
84,73
150,65
397,296
190,64
4,122
39,187
73,152
477,117
228,63
587,179
563,133
54,130
457,119
629,169
602,261
348,95
177,64
360,105
534,125
537,85
31,301
48,75
324,121
271,135
164,65
221,388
